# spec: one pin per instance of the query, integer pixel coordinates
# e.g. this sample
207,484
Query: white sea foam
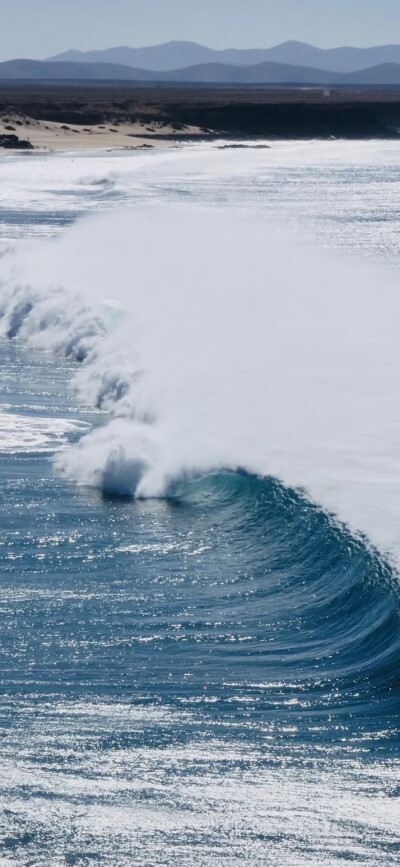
219,341
19,433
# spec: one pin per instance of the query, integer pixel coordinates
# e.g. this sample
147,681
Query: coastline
55,116
63,117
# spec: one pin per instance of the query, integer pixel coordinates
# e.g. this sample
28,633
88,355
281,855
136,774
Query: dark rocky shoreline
13,142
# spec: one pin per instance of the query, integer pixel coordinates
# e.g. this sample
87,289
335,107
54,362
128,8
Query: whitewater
219,341
200,464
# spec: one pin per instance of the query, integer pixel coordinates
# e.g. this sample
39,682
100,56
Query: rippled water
211,678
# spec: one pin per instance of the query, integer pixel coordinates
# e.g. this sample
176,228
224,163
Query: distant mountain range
45,70
292,63
387,74
177,55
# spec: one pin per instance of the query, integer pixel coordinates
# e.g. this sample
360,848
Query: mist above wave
215,341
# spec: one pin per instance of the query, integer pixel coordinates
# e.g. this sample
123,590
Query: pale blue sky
38,28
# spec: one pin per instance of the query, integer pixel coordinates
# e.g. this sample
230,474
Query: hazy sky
39,28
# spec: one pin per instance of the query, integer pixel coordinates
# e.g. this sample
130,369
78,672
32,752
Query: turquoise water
209,678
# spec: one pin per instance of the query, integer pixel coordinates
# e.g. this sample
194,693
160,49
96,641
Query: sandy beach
50,136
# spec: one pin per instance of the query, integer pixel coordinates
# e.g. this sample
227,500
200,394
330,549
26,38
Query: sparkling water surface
212,678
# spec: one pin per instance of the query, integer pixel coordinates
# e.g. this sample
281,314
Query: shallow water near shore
211,677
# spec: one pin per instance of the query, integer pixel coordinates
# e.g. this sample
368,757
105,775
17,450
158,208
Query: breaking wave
218,342
236,636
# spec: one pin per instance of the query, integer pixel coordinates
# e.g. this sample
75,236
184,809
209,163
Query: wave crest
213,342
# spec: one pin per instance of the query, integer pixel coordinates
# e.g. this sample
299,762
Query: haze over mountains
46,71
177,55
292,63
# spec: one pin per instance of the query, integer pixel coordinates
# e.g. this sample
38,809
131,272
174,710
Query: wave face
200,645
321,609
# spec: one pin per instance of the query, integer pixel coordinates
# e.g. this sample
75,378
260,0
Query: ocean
200,507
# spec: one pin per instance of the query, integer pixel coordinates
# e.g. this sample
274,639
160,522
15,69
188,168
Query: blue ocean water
210,678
